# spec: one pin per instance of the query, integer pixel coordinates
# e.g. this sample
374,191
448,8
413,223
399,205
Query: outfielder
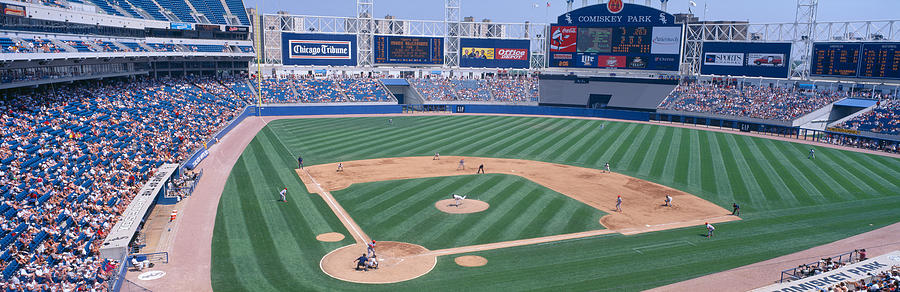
709,230
619,203
812,153
283,192
459,199
300,161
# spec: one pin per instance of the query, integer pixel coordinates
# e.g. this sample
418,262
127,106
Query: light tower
804,36
452,27
365,31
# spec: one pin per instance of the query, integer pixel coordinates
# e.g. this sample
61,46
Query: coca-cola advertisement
563,38
494,53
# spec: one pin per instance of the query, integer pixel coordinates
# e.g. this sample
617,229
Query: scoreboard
625,36
880,60
623,40
860,60
835,59
409,50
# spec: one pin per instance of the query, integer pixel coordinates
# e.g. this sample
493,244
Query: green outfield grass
403,210
789,202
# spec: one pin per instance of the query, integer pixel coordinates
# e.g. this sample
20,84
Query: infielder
437,156
736,209
283,193
668,200
812,153
459,199
606,166
462,164
709,230
619,203
340,167
370,248
480,169
300,161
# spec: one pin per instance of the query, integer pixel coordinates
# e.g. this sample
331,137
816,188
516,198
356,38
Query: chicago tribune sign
320,49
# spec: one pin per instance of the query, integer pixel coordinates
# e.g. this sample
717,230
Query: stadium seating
319,90
884,118
72,158
761,102
507,89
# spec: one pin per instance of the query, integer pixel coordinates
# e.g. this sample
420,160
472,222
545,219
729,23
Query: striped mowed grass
789,202
519,209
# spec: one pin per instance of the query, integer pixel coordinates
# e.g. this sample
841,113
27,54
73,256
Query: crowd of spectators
309,89
40,45
884,118
501,89
73,156
862,142
745,100
886,281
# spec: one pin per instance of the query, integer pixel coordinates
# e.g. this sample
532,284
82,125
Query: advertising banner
853,272
318,49
13,10
494,53
746,59
181,25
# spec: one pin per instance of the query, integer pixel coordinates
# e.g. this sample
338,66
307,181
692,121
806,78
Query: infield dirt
643,201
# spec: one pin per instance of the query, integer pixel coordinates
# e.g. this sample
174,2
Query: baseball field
789,202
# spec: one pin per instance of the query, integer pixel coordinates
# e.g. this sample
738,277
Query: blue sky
756,11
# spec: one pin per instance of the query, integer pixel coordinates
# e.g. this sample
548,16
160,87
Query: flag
548,3
693,3
535,5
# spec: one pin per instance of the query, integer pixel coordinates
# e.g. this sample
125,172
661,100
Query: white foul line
336,207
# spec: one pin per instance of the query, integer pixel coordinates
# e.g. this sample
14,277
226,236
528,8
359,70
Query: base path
642,200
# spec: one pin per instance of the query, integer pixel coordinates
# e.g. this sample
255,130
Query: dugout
604,92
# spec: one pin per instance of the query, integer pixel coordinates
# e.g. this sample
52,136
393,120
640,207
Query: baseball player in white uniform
709,230
606,166
283,192
370,248
619,203
340,167
437,156
459,199
668,200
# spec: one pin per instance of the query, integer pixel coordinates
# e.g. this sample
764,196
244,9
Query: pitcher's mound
397,262
468,206
470,261
330,237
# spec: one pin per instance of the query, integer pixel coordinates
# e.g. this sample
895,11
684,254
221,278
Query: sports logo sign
615,6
